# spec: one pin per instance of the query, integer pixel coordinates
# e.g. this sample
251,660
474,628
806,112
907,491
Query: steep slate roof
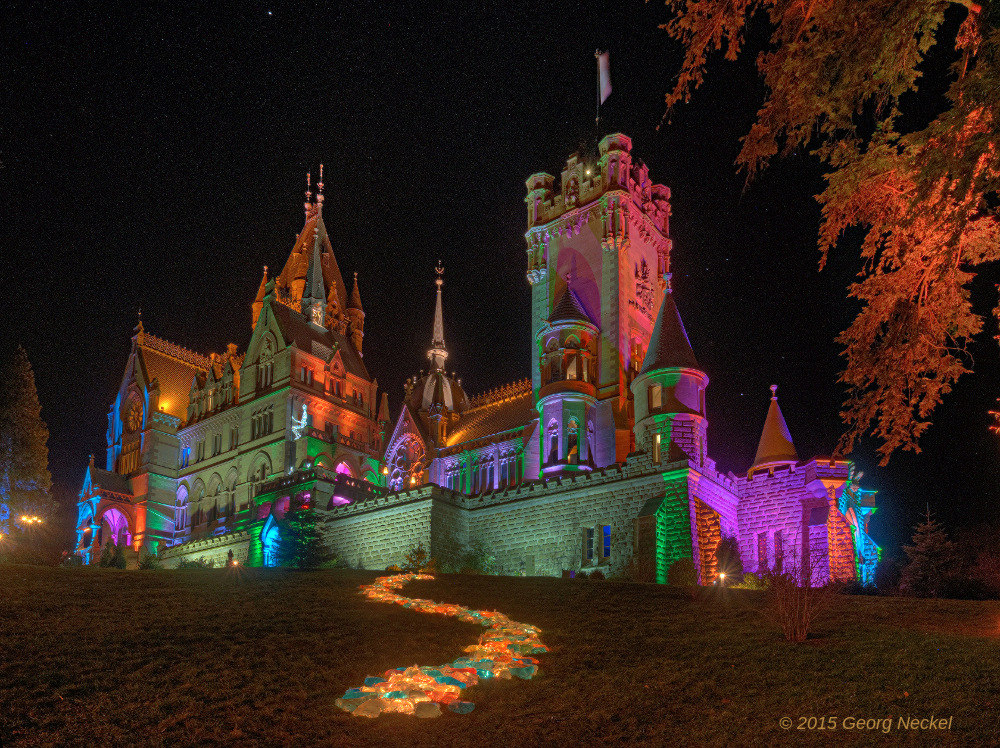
569,309
173,367
494,417
669,347
306,337
775,441
293,275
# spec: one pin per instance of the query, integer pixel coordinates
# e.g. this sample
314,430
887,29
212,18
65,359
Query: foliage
417,559
197,563
24,470
682,573
836,73
963,587
478,560
756,582
888,574
149,561
393,569
597,574
793,603
856,587
728,560
640,568
112,556
301,545
932,558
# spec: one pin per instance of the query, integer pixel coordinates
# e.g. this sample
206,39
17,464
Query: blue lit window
606,533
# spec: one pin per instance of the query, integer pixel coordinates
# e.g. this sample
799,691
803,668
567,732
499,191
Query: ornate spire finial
666,279
774,392
438,353
439,281
319,187
265,272
308,203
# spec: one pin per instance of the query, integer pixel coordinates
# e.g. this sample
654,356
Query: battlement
588,177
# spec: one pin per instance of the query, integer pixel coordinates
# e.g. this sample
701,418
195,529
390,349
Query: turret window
657,456
655,397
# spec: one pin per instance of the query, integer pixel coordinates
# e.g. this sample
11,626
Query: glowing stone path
502,652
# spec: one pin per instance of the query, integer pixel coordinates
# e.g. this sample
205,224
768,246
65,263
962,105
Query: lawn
96,657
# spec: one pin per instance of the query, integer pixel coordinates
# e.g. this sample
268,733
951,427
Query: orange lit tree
835,72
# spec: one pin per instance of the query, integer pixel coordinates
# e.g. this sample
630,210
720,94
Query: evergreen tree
727,557
932,557
300,545
841,80
24,455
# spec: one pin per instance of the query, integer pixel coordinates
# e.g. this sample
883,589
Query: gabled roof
775,440
569,309
306,337
293,274
669,347
496,417
173,367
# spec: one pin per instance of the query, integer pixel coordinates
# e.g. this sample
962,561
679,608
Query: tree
836,73
932,557
24,455
300,545
727,557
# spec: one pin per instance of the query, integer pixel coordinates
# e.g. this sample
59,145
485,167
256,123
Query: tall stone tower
600,244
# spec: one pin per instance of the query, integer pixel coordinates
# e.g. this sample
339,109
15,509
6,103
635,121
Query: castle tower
669,391
607,227
356,315
566,398
314,295
775,447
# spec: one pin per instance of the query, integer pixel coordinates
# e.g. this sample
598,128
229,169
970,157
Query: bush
756,582
639,569
728,560
794,604
149,561
855,587
197,563
682,573
958,587
112,556
478,560
888,574
581,575
597,574
418,560
393,569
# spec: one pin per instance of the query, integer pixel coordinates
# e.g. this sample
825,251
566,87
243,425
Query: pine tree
932,557
300,545
838,76
24,471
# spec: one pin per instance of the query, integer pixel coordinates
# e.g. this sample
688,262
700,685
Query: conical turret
775,447
258,303
438,353
669,390
356,315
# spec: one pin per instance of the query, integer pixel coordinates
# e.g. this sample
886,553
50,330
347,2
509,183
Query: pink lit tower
597,250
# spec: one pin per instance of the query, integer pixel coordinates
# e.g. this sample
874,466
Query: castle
599,458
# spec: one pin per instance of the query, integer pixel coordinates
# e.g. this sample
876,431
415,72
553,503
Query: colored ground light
503,651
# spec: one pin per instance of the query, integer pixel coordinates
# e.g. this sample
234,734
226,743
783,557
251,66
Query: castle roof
355,300
669,347
311,339
569,309
291,282
505,409
775,441
112,482
173,367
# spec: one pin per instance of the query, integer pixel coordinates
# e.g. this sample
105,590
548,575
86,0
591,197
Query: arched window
553,437
572,442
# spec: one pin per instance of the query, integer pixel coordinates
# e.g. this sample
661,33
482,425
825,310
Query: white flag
604,71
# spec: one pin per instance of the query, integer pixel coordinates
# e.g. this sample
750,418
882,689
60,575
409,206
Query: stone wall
211,549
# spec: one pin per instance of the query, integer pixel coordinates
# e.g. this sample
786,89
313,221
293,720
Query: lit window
588,544
656,449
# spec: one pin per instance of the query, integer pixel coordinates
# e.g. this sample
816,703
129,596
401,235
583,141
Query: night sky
157,159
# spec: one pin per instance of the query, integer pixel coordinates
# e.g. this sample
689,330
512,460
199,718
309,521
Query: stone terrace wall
211,549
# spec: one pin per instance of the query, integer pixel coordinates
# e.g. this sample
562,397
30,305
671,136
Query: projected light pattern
502,652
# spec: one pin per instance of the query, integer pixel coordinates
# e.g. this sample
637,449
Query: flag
604,73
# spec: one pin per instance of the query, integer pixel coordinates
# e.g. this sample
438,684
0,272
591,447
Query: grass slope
94,657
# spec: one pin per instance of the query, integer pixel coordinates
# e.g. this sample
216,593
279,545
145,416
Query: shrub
682,573
197,563
887,576
855,587
148,561
756,582
640,569
417,560
597,574
300,545
478,560
113,556
728,560
581,575
959,587
932,558
793,604
393,569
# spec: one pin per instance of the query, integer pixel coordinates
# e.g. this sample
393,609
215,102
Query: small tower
438,354
775,447
567,344
314,294
669,390
258,303
356,315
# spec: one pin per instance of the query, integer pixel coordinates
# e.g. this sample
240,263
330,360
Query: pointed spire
775,441
319,191
383,408
314,294
258,302
438,353
569,308
308,204
669,347
355,301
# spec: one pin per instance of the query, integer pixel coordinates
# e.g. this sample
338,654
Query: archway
117,528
